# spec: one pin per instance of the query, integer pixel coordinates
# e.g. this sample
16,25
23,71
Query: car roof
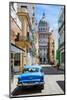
32,66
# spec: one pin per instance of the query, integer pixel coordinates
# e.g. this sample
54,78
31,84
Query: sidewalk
13,83
45,65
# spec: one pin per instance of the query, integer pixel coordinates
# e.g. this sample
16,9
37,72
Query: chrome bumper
30,84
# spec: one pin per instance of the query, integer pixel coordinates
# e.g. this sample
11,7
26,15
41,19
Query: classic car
31,76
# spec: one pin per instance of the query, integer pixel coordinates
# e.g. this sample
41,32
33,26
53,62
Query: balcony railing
60,27
62,44
23,38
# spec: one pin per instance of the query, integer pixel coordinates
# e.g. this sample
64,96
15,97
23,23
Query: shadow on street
52,71
62,85
25,90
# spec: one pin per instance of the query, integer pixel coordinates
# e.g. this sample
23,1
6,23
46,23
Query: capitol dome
43,20
43,23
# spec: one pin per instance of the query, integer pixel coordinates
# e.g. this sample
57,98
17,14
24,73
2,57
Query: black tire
42,86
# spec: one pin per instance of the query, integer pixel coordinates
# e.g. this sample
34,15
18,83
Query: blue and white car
31,76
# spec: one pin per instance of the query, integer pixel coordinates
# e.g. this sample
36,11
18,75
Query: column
22,47
22,61
27,56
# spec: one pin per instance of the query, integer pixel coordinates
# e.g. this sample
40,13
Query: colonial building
43,30
34,30
45,42
34,27
23,39
61,31
20,37
51,51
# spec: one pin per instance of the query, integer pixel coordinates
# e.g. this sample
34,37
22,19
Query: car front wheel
42,86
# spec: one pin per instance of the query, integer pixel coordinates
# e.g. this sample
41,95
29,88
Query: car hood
30,77
27,74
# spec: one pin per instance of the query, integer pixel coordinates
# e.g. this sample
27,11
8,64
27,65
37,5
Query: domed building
43,25
44,41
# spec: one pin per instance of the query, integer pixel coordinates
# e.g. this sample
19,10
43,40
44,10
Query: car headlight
18,80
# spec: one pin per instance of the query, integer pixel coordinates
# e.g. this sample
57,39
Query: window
25,70
17,59
33,7
32,19
17,37
23,6
11,56
13,6
40,59
43,29
41,70
12,61
39,29
33,14
28,37
44,59
62,57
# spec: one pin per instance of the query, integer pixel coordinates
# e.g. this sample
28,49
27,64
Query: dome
43,24
43,20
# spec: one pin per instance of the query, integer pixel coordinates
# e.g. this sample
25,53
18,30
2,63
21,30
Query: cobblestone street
54,84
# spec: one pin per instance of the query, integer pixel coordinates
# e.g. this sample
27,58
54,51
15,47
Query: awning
15,49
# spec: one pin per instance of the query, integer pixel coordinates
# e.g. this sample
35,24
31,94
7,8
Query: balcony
53,52
62,45
22,13
23,40
60,27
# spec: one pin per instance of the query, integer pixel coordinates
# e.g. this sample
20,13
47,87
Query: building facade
61,25
51,49
45,42
43,31
20,35
15,51
23,39
33,29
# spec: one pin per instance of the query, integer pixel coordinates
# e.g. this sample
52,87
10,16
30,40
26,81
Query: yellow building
23,39
20,37
51,53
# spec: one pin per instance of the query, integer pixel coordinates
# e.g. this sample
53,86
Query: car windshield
30,70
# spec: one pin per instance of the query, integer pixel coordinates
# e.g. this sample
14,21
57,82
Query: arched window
40,59
44,59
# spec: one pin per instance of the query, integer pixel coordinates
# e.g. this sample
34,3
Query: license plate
27,84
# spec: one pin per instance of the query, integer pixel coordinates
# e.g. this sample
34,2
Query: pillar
22,61
23,48
27,57
22,25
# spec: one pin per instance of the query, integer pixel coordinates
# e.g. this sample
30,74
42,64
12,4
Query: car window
35,69
30,70
41,70
25,70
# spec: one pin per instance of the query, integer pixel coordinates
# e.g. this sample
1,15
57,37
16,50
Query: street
54,84
35,39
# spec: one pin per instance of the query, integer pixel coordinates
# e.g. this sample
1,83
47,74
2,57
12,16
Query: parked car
31,76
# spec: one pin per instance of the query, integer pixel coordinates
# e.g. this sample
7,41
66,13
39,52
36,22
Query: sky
52,13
